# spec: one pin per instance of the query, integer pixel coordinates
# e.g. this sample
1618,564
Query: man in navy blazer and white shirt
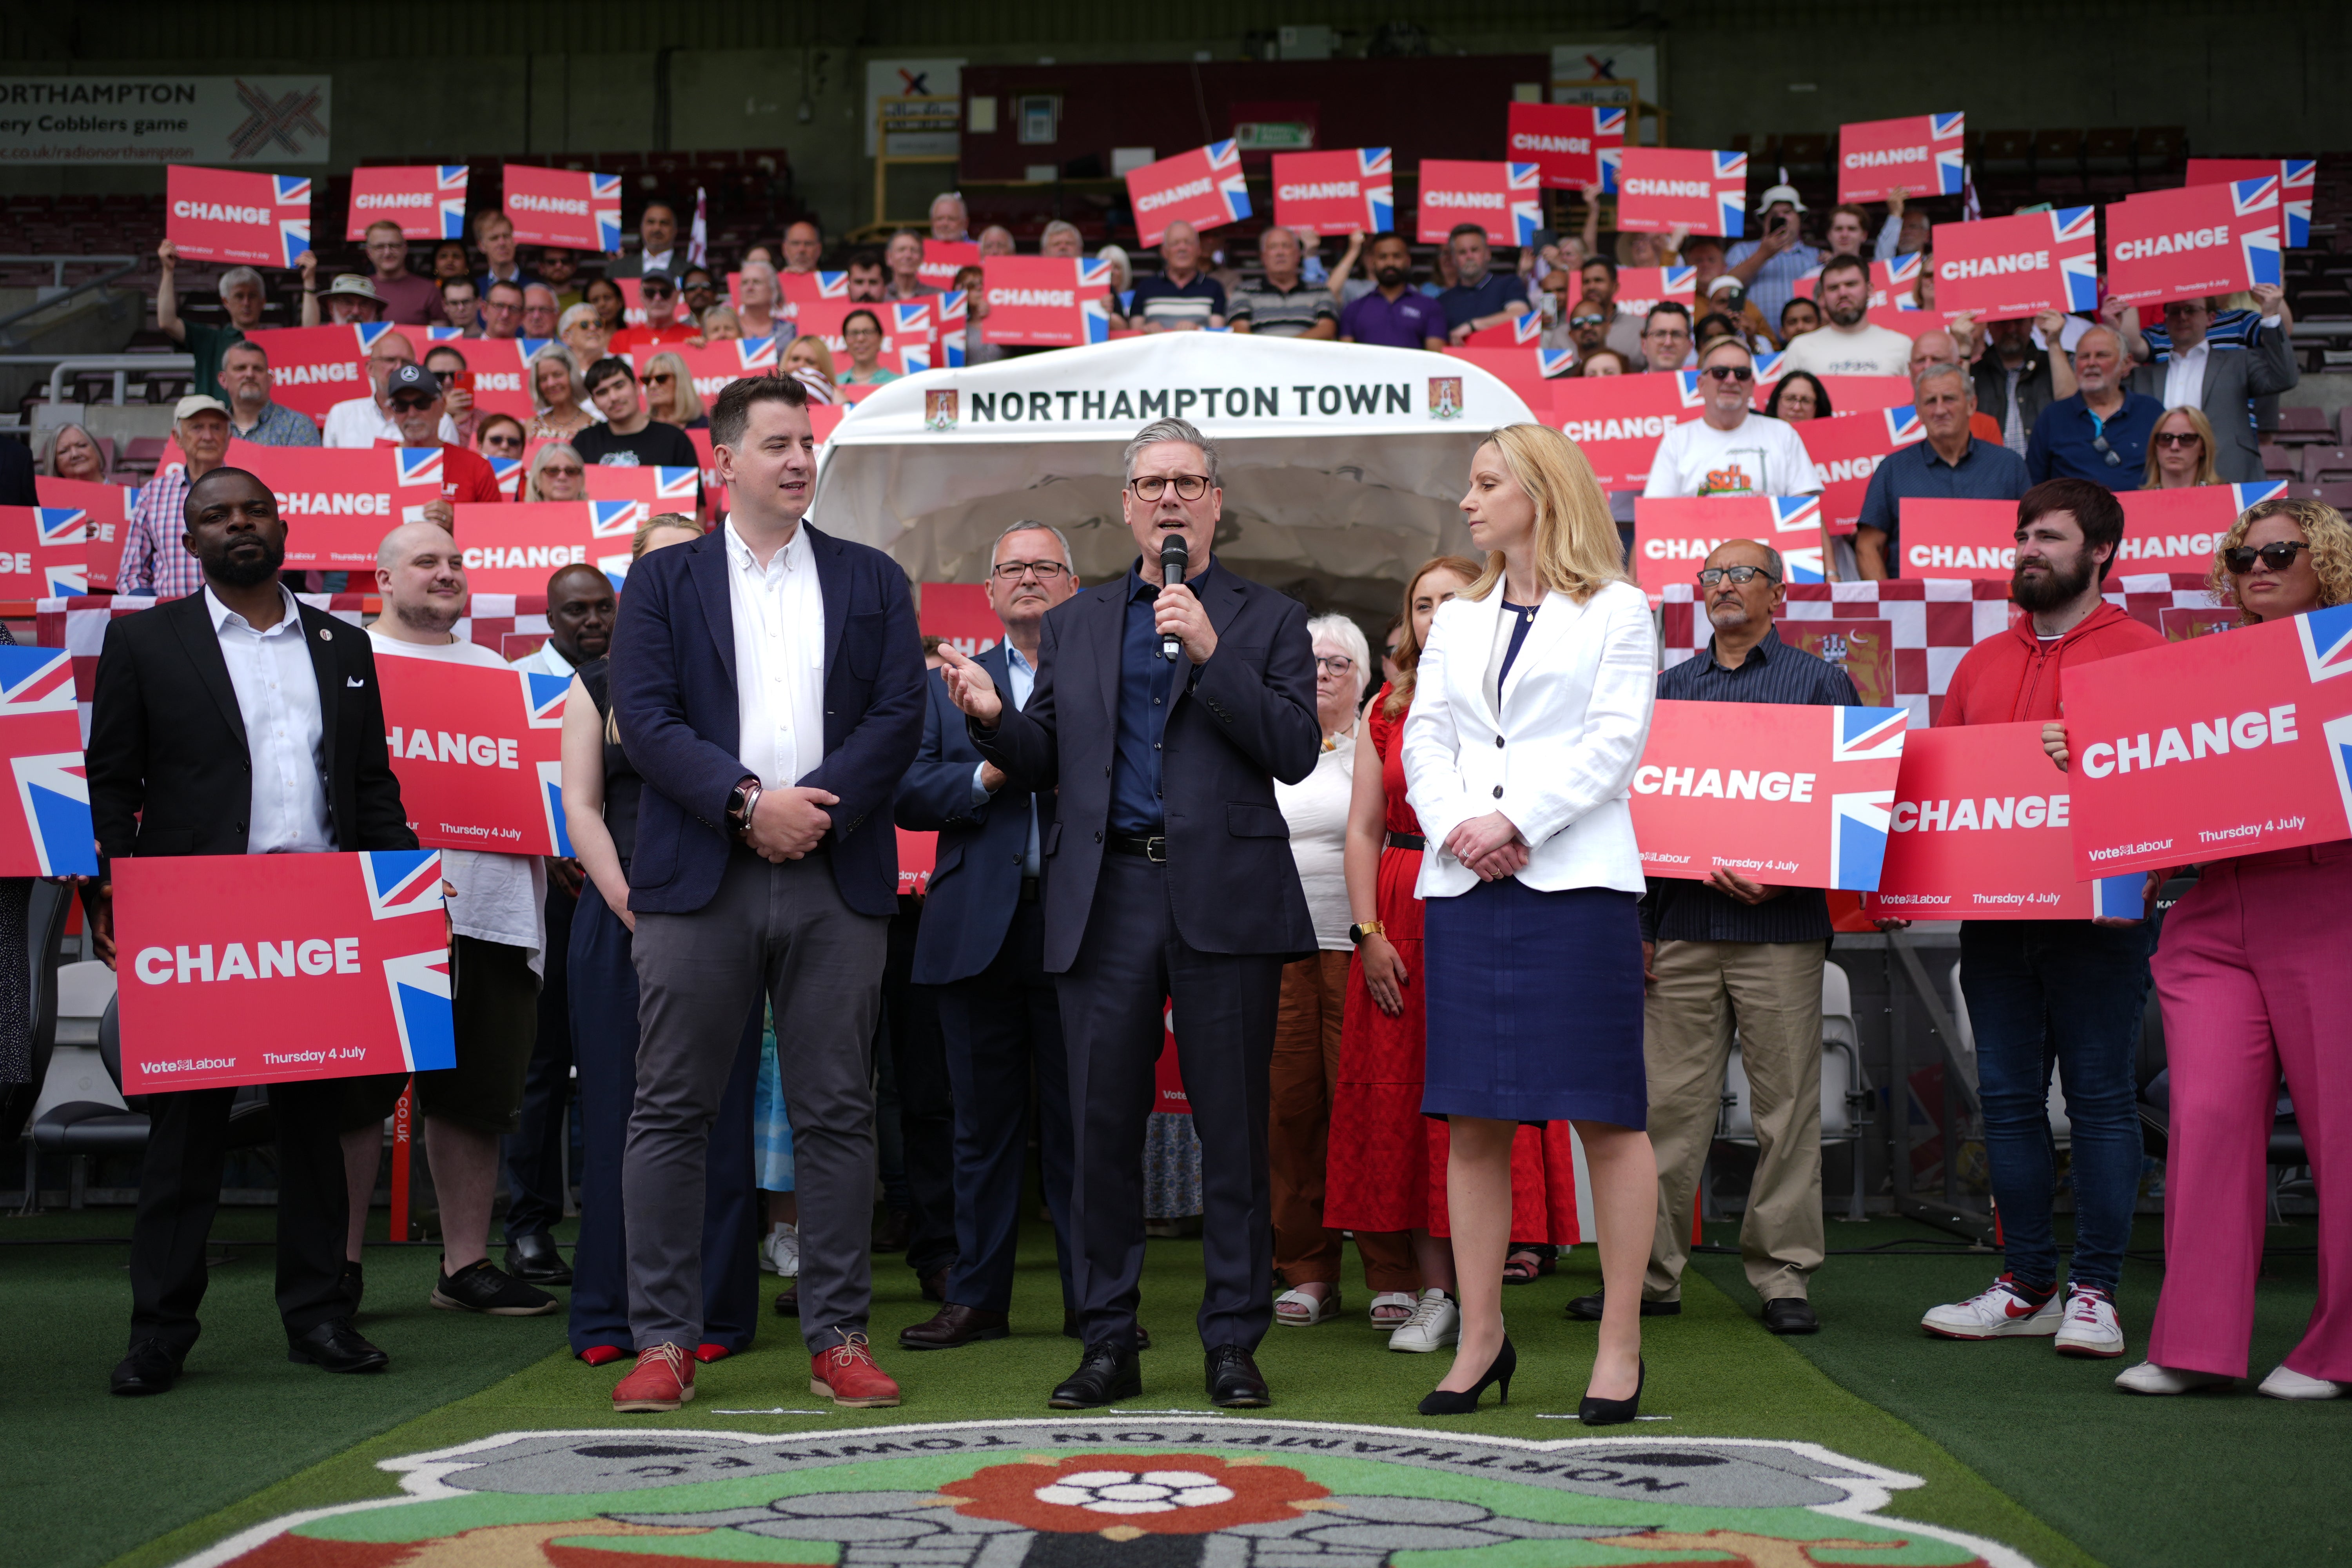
1168,876
983,943
767,683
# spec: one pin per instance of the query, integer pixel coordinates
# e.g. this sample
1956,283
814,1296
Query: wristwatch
741,803
1357,934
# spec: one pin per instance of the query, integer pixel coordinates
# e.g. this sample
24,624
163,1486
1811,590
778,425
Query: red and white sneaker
847,1373
2091,1329
2004,1311
664,1380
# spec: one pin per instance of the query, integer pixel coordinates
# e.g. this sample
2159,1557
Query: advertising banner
1846,449
1046,301
1673,537
158,117
2297,178
1504,199
1618,420
230,214
514,548
479,753
1974,539
1660,188
48,832
1920,153
44,552
1576,145
2001,269
2179,530
571,207
1202,187
426,200
1782,794
1351,191
1982,829
2216,746
239,969
2189,243
105,510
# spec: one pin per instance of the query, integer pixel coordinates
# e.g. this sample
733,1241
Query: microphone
1173,556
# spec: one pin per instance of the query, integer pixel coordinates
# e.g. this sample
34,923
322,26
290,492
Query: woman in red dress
1387,1170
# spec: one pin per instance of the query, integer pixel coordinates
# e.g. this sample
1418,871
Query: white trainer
2285,1383
781,1253
2091,1328
2149,1378
1435,1323
1998,1314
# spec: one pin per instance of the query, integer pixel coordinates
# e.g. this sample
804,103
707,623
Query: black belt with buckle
1407,841
1154,849
1029,890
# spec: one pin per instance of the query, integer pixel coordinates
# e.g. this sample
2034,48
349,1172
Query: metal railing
122,366
63,293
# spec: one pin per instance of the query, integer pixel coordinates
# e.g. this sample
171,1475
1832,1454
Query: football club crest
1446,398
939,409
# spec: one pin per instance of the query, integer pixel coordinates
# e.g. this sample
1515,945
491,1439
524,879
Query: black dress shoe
150,1368
788,1302
1105,1372
534,1260
1070,1331
953,1327
1792,1315
1234,1380
1587,1307
336,1346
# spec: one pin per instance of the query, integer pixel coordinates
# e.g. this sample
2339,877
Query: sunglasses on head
1730,372
2278,555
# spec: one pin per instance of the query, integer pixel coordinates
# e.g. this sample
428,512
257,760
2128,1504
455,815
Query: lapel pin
326,635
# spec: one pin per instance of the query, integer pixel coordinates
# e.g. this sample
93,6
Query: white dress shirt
545,660
362,422
1023,680
285,734
2184,376
779,616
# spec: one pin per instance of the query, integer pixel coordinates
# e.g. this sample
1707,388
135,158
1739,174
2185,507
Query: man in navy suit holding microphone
984,942
1167,703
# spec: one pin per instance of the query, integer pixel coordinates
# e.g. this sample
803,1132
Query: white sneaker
2284,1382
781,1253
1998,1314
2091,1329
1435,1323
2149,1378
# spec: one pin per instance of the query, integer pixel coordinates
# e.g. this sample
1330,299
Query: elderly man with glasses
2101,433
1731,449
1953,463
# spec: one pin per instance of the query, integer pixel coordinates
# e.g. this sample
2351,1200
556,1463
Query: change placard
44,552
1921,153
2297,178
2179,530
1846,449
2191,243
426,200
105,513
2001,268
1672,536
1352,191
1618,420
942,260
311,369
712,366
1641,288
572,207
237,969
514,548
1504,199
1576,145
48,831
479,753
1945,538
1204,187
1982,829
1782,794
230,214
1053,301
2221,745
1660,188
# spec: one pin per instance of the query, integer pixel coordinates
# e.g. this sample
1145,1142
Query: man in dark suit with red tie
1167,703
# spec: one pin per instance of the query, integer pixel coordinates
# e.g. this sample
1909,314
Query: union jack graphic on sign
49,834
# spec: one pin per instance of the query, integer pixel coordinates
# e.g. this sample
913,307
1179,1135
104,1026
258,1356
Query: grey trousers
782,930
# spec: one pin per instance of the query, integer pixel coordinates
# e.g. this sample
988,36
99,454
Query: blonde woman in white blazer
1532,705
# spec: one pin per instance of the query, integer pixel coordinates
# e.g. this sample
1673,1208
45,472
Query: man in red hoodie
2069,991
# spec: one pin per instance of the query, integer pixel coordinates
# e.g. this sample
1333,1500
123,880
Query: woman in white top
559,395
1305,1067
1531,705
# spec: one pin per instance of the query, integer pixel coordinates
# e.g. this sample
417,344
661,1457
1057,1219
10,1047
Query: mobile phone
462,380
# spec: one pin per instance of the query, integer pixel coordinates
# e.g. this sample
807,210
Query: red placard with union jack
1660,188
1521,332
2192,242
1352,191
338,501
2297,178
2179,530
1846,449
713,365
1673,536
44,552
571,207
1798,796
230,214
1576,145
2001,268
1202,187
240,969
1505,199
479,753
311,369
49,834
106,512
942,260
1921,153
823,319
1641,288
656,488
1618,420
426,200
802,288
515,549
1050,300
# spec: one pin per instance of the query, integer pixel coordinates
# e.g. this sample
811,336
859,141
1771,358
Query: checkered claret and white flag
1930,623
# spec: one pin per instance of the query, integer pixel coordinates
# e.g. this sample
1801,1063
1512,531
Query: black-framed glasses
1012,570
1334,663
2175,439
2278,555
1151,487
1710,575
1730,372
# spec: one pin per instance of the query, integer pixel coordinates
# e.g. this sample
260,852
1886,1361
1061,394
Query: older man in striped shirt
155,561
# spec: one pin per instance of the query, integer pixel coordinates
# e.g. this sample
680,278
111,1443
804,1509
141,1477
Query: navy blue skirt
1535,1006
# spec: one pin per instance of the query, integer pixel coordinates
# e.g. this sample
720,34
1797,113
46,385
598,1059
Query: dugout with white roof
1343,465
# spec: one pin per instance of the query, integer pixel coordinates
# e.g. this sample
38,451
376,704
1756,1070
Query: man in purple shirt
408,299
1395,314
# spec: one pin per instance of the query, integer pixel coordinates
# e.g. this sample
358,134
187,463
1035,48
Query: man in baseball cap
664,326
154,560
353,297
1770,266
417,409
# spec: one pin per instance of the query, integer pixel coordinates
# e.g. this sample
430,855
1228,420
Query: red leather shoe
664,1380
847,1374
706,1352
602,1355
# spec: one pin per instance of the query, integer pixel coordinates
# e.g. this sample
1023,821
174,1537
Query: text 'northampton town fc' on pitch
1212,402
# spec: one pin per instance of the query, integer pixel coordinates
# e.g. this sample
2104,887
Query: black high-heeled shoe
1447,1402
1614,1412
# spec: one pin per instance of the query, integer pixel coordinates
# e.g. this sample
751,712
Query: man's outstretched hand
969,687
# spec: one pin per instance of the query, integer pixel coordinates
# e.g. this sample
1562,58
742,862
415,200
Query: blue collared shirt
1986,471
1023,678
1147,683
278,427
2062,446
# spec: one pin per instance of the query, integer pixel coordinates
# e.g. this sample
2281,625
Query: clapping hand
969,687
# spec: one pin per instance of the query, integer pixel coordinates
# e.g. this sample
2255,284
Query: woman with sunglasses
559,395
2253,969
556,474
862,331
2180,451
501,436
670,396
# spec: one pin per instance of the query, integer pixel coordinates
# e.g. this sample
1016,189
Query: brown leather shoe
934,1285
953,1327
1070,1330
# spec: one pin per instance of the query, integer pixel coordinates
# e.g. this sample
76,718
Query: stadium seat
2281,463
45,908
2304,426
2338,496
2108,151
2157,153
2057,152
2008,154
2327,465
